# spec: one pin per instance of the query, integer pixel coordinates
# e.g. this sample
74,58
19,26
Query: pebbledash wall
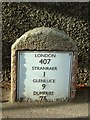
18,18
43,39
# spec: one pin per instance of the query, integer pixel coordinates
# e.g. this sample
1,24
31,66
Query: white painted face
44,74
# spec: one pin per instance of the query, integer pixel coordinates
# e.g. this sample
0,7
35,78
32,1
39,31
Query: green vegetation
17,18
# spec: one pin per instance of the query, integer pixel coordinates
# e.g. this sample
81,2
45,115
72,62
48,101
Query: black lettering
45,55
43,93
43,68
43,80
34,92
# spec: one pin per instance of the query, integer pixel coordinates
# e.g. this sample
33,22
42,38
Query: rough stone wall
17,18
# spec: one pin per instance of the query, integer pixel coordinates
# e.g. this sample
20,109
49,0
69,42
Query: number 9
43,85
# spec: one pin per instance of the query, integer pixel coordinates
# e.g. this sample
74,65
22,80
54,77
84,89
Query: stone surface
48,39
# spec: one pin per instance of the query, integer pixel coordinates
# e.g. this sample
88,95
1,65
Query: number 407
45,61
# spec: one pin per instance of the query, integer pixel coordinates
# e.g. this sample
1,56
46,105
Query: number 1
44,74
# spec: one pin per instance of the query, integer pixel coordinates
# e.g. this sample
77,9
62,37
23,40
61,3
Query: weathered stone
47,39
